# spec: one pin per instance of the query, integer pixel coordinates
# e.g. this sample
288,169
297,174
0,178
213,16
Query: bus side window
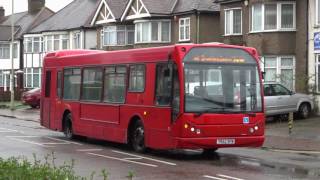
115,84
48,84
163,85
71,83
137,78
59,89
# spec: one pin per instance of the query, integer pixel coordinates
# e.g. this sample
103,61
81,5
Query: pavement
304,138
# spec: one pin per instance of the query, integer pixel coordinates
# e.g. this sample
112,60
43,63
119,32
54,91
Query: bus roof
141,55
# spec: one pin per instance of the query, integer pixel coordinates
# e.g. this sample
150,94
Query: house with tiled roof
68,28
125,24
23,22
277,29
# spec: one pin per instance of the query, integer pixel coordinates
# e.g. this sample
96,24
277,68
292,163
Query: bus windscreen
221,80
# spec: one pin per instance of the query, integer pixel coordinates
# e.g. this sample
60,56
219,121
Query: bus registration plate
226,141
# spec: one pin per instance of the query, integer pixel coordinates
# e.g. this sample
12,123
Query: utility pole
12,59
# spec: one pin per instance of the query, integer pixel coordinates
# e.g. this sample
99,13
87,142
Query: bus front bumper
218,142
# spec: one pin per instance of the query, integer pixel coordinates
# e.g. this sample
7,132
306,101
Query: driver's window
280,90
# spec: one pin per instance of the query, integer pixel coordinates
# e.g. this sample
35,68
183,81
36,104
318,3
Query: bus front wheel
209,151
67,127
137,137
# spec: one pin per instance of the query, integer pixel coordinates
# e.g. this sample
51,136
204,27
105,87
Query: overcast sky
22,5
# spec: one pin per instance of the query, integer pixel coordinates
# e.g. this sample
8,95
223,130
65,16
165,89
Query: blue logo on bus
246,120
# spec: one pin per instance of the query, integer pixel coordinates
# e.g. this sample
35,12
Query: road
25,138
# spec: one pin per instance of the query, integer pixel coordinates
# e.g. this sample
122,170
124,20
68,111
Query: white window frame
126,31
279,67
184,29
60,41
317,13
2,50
279,12
231,22
149,22
32,77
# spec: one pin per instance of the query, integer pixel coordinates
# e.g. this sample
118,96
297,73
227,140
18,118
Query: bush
21,169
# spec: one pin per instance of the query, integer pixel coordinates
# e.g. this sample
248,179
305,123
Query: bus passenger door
46,102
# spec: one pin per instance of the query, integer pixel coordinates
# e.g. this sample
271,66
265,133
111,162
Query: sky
22,5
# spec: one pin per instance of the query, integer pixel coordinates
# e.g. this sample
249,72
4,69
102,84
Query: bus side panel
156,123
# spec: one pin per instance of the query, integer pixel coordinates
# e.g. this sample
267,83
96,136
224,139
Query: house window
280,69
57,42
5,51
1,78
65,41
233,22
32,77
77,40
4,78
184,29
32,44
273,16
118,35
153,31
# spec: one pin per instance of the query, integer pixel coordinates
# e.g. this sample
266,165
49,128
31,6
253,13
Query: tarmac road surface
25,138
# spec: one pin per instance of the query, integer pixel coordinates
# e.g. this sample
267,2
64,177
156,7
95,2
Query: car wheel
67,127
304,110
137,137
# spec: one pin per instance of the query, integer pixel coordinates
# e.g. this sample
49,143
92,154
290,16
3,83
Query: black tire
33,106
67,127
137,139
209,151
304,110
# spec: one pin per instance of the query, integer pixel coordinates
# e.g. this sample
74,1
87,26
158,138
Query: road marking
151,159
26,141
88,150
69,142
295,151
230,177
6,130
22,136
57,143
213,177
133,158
124,160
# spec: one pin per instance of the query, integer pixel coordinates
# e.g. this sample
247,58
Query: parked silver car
279,101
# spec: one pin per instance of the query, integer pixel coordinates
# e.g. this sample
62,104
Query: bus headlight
256,128
192,129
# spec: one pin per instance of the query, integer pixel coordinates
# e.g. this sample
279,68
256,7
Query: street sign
317,41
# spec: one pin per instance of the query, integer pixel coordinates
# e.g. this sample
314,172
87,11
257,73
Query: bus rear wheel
137,137
67,127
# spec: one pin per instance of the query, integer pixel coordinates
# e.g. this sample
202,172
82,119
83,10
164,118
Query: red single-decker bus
186,96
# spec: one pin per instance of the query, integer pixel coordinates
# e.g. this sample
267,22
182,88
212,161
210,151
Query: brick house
314,48
125,24
69,28
277,29
24,21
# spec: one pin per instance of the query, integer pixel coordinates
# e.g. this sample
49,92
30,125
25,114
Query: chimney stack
1,12
35,5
